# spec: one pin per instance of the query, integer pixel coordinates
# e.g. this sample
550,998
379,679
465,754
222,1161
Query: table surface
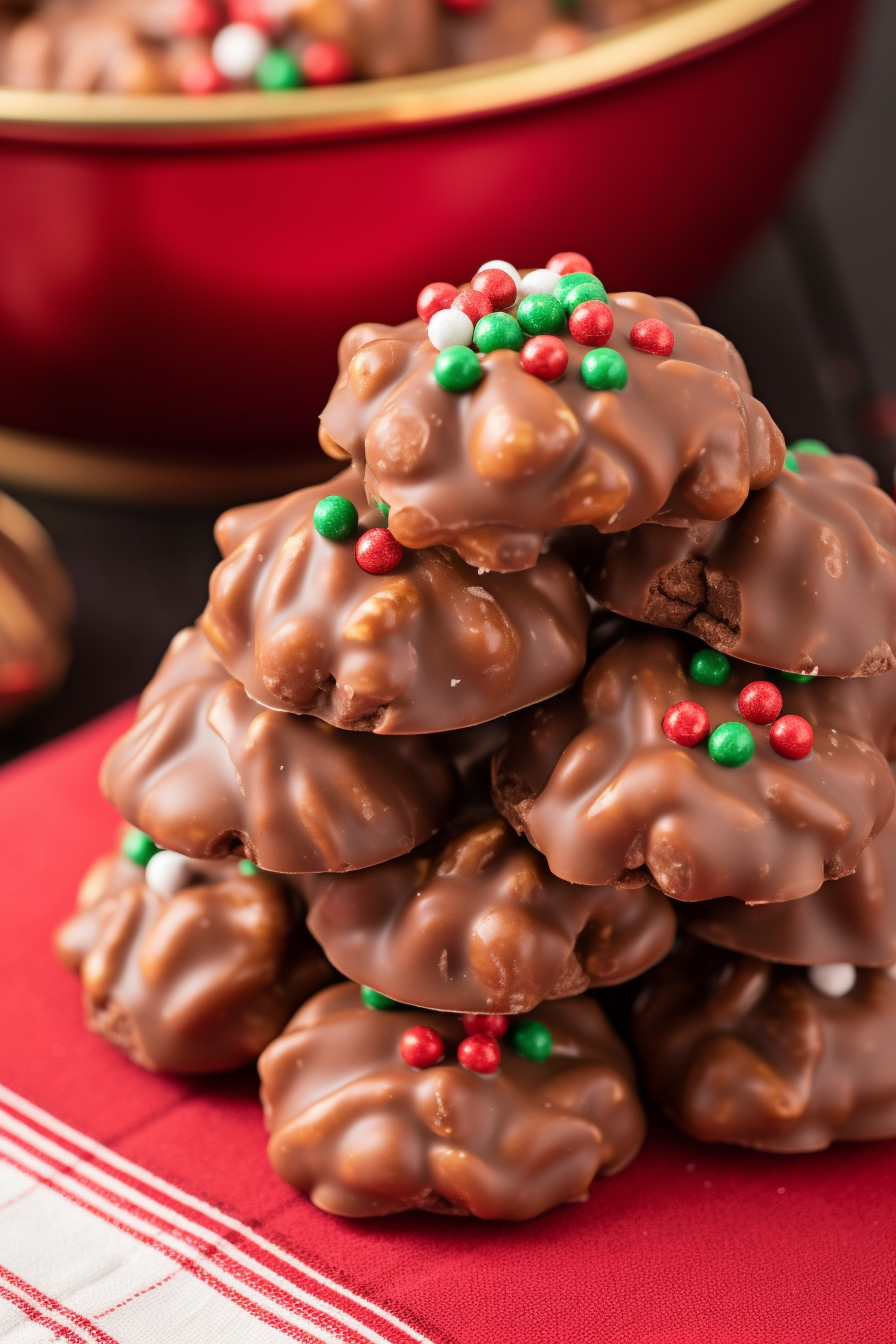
811,308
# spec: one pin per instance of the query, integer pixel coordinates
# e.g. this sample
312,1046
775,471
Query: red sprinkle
251,11
760,702
474,303
493,1024
19,677
326,62
686,723
421,1047
545,356
498,287
652,336
433,298
201,75
564,263
465,6
792,737
195,17
377,551
591,323
480,1053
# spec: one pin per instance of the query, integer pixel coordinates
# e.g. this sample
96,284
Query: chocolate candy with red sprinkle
591,323
652,336
498,287
760,702
433,298
326,62
492,1024
564,263
686,723
545,357
377,551
480,1053
792,737
474,304
421,1047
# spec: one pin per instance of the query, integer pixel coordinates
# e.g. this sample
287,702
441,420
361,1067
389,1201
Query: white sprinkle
455,681
538,282
168,872
450,327
834,980
237,49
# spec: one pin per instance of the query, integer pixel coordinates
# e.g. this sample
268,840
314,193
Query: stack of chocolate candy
571,676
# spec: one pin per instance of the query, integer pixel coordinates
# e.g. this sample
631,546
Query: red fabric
691,1245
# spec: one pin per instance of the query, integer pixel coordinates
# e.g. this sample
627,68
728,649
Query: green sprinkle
710,667
335,518
374,999
248,868
533,1040
813,446
498,331
383,508
566,283
277,71
604,370
138,847
790,462
457,369
731,744
799,677
584,293
541,315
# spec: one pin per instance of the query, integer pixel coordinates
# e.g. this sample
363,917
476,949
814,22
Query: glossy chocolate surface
491,471
362,1133
803,577
736,1050
593,782
431,645
209,773
480,924
193,982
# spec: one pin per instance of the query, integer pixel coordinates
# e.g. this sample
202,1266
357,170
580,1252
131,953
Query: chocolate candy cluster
570,659
212,46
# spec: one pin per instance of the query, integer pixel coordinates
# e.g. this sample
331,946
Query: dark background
812,308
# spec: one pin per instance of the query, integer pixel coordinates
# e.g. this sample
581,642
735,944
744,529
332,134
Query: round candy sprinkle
474,304
604,371
835,980
564,263
480,1053
277,72
591,323
237,50
377,551
383,508
498,331
502,266
545,357
731,744
533,1040
138,847
325,62
421,1047
813,446
709,667
760,702
200,76
537,282
790,461
457,369
167,873
493,1024
686,723
449,327
194,18
792,737
257,12
335,517
588,291
567,283
541,314
498,287
433,298
799,677
248,868
652,336
372,998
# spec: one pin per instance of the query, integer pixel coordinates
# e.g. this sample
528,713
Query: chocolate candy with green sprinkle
587,291
790,461
731,744
799,677
457,369
604,371
813,446
374,999
541,315
383,508
335,518
498,331
248,868
277,71
533,1040
709,667
567,283
138,847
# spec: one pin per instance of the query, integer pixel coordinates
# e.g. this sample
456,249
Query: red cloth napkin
139,1207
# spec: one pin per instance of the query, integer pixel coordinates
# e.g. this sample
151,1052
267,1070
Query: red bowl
175,273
